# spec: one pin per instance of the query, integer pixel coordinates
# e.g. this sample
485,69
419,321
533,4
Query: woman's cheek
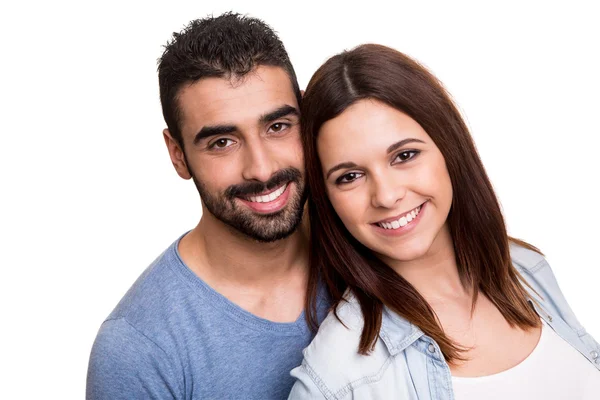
345,207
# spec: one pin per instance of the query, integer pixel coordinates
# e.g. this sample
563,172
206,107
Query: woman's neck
435,275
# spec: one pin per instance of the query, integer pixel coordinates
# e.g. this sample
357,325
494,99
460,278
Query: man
219,315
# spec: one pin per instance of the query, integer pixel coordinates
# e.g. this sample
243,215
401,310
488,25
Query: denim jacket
407,364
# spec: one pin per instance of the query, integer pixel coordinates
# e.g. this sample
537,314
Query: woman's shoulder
543,286
332,358
526,258
338,335
537,274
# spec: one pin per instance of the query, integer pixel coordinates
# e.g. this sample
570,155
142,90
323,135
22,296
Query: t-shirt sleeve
125,364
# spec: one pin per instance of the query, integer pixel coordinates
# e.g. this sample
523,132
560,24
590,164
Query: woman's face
386,179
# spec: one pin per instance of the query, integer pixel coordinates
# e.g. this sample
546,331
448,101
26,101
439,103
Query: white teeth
268,197
405,220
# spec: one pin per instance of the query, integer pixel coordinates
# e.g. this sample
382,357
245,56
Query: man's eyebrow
278,113
347,164
216,130
208,131
403,142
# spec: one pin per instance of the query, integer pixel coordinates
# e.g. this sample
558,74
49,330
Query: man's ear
177,155
302,93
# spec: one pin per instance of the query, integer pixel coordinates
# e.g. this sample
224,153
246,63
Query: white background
89,197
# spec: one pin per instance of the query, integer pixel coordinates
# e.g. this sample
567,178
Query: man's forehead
217,101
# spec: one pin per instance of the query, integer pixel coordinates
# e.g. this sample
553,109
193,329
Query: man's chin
267,228
262,221
265,235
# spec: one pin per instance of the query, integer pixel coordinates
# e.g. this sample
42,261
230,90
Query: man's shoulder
125,362
135,341
153,289
164,301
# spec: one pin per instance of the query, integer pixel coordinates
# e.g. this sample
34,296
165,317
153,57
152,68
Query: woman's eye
347,178
278,127
221,143
406,155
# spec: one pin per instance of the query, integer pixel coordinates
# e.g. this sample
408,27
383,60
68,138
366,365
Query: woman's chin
407,253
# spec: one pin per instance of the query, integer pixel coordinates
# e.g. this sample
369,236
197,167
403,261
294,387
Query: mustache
252,188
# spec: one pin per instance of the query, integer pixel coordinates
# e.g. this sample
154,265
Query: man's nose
259,163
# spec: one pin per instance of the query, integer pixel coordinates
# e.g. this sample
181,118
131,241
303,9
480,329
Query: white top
554,370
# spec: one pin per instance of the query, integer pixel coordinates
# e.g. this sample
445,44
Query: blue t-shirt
174,337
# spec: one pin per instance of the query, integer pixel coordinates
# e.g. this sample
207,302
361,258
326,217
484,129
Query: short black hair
228,46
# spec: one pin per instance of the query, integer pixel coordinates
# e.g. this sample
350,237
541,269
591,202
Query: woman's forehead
365,126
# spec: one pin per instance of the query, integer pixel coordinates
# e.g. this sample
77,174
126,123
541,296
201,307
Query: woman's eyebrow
347,164
402,143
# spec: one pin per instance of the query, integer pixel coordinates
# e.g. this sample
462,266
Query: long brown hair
475,220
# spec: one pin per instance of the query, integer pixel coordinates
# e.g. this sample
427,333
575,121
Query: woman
432,299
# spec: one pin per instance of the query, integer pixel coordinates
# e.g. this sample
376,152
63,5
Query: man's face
243,151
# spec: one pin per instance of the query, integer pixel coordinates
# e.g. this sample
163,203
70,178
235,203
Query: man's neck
266,279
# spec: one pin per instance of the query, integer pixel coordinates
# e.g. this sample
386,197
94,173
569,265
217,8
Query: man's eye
278,127
221,143
406,155
348,178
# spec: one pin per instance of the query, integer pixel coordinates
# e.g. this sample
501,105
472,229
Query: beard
260,227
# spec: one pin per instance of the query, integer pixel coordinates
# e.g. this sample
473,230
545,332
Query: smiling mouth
267,197
400,221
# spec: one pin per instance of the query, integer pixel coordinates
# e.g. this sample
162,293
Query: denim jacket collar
396,332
